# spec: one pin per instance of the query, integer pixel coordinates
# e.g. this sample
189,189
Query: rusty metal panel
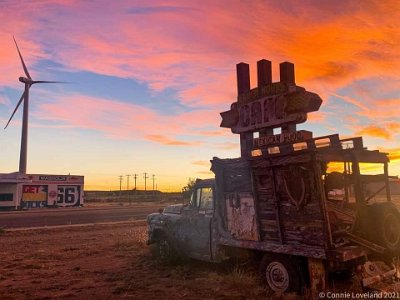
317,273
241,216
299,249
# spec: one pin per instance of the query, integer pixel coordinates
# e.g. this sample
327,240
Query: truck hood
173,209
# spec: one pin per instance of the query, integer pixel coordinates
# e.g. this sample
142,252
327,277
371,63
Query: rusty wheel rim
277,277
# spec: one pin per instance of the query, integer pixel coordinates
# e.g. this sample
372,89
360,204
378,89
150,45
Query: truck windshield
202,198
206,198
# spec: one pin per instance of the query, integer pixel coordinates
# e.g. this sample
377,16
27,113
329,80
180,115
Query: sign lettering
275,88
259,110
291,137
68,195
34,193
53,178
265,113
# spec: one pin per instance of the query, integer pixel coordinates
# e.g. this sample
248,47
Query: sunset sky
148,80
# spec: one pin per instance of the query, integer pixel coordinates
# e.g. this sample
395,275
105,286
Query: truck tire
387,226
280,273
165,250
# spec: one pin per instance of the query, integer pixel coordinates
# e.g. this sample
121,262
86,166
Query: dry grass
113,262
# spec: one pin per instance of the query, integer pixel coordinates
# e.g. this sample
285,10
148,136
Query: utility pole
153,182
135,176
145,180
127,183
120,185
127,187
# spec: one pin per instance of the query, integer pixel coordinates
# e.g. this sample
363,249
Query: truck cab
186,229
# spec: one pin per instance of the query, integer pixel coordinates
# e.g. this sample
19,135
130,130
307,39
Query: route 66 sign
68,195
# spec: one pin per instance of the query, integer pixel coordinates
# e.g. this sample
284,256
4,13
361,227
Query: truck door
196,220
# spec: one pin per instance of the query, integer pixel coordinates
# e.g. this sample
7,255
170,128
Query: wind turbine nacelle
24,80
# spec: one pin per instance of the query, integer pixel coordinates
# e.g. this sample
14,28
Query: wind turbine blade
22,60
16,108
44,81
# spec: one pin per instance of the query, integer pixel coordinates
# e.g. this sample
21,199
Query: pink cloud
228,145
124,120
353,101
214,133
193,49
316,117
22,20
4,100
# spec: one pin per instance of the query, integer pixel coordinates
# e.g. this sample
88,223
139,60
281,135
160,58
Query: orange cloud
382,109
394,153
207,173
169,142
375,131
203,163
394,156
394,126
228,146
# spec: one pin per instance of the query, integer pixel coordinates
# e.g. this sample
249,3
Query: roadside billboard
41,190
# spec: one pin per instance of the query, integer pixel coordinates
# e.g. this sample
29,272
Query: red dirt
108,262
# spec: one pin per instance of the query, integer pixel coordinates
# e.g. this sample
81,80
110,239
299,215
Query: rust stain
241,216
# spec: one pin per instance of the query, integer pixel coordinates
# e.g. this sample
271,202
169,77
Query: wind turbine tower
28,81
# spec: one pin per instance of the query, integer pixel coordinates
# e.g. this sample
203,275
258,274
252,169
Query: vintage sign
52,178
270,112
276,88
34,196
289,137
41,190
61,190
34,193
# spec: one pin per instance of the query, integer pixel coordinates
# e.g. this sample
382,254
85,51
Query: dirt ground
109,262
112,261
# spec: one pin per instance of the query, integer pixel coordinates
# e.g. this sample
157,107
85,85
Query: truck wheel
280,273
166,251
388,227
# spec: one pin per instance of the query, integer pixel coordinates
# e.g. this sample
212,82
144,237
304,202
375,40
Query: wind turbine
28,81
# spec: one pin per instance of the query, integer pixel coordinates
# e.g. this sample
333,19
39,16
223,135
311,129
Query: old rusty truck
306,206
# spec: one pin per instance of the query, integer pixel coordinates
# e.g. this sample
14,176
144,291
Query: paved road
68,216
